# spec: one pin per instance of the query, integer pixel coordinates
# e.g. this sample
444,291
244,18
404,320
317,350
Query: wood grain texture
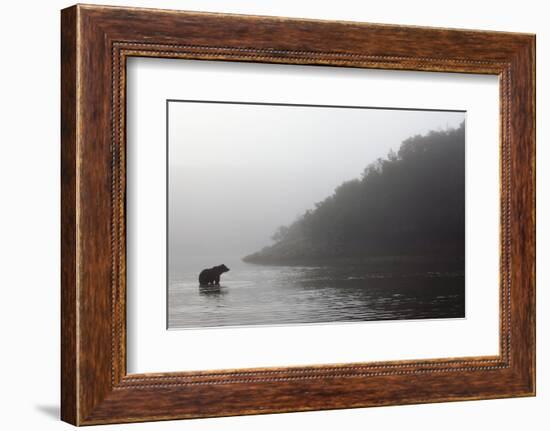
69,397
96,41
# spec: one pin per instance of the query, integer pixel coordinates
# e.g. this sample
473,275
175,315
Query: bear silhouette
212,275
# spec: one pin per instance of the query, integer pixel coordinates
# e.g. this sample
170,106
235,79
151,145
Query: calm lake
278,295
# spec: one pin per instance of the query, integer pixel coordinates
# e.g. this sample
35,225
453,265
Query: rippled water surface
278,295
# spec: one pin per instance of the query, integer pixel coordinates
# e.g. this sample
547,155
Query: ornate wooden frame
95,42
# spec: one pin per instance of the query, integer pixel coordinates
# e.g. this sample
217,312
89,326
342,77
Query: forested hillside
410,204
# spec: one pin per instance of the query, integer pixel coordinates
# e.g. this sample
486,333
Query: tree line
410,203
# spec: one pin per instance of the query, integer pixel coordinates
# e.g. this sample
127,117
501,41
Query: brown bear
211,276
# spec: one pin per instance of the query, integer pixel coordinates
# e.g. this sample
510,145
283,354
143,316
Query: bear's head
222,268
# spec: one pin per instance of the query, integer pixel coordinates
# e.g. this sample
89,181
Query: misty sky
237,172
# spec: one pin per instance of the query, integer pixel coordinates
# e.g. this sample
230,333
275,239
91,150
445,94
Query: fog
237,172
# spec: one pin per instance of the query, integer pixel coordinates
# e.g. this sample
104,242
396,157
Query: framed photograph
265,214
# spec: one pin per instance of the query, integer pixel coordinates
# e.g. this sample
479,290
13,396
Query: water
278,295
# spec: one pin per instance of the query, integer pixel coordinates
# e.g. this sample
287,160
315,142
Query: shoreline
363,260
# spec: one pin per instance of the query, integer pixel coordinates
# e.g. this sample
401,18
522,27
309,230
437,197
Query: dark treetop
410,204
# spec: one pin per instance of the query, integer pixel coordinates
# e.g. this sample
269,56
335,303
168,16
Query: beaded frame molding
95,43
